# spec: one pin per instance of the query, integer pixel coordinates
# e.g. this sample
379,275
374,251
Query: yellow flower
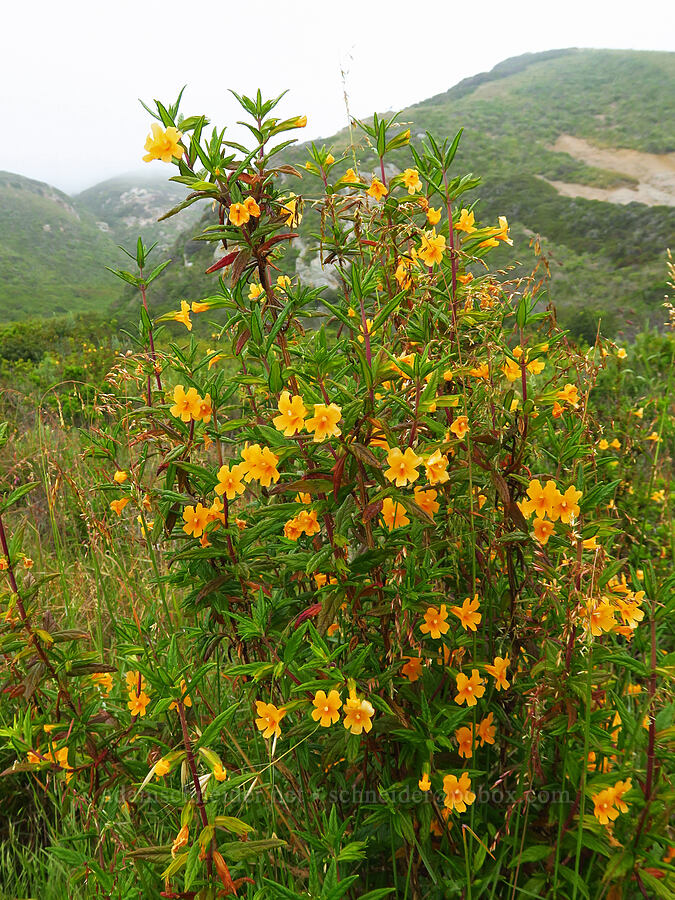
600,616
196,519
214,359
469,690
137,703
511,369
255,291
260,464
543,529
460,426
432,247
536,367
104,681
427,500
180,840
424,784
615,444
377,189
300,122
402,466
304,497
565,506
238,214
458,793
402,274
324,422
393,514
411,179
435,622
292,529
283,282
293,412
183,316
204,409
358,715
413,668
307,521
502,233
230,481
120,476
252,207
618,791
351,177
465,222
468,613
185,403
464,737
603,444
433,216
542,500
291,211
219,773
486,730
329,160
162,766
481,371
326,708
164,145
604,809
269,718
654,437
198,307
187,700
621,353
498,671
569,394
436,466
118,505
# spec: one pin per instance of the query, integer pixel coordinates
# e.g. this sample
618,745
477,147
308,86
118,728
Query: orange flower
293,412
424,784
604,810
465,222
260,464
543,529
358,715
196,520
427,501
542,500
292,529
569,394
511,369
411,179
204,409
238,214
403,466
252,207
618,791
467,613
219,773
486,730
269,718
185,404
327,708
230,481
435,622
164,145
557,410
464,737
377,189
180,840
413,668
137,703
303,497
104,681
498,671
436,468
566,506
324,422
393,514
120,476
432,247
469,690
460,426
458,794
308,522
118,505
600,617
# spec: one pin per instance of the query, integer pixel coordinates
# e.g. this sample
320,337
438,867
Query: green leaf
16,495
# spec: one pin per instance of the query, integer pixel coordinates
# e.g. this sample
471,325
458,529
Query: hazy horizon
76,98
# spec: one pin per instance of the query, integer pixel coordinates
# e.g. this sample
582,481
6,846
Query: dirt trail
655,173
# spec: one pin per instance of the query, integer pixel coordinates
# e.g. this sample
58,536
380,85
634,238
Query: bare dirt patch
655,173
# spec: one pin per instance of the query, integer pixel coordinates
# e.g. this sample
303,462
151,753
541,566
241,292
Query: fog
71,72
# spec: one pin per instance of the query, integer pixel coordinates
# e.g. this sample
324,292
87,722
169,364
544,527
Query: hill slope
52,256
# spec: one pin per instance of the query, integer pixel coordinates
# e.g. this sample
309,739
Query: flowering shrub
397,640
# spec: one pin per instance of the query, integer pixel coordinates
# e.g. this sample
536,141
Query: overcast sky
71,71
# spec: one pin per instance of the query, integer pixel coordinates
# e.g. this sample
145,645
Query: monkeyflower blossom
569,394
435,622
308,522
427,501
413,668
255,291
185,403
292,529
498,671
326,708
465,222
219,772
543,529
138,703
292,414
566,506
393,514
469,690
433,216
104,681
486,730
424,784
358,715
324,422
458,793
467,613
230,481
402,466
377,190
163,145
269,717
118,505
120,476
238,214
542,500
511,369
436,468
290,210
411,179
465,739
260,463
432,247
204,409
460,427
196,519
252,207
162,767
183,315
604,809
180,840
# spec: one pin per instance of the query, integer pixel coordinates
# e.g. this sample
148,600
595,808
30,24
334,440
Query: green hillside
129,205
52,255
